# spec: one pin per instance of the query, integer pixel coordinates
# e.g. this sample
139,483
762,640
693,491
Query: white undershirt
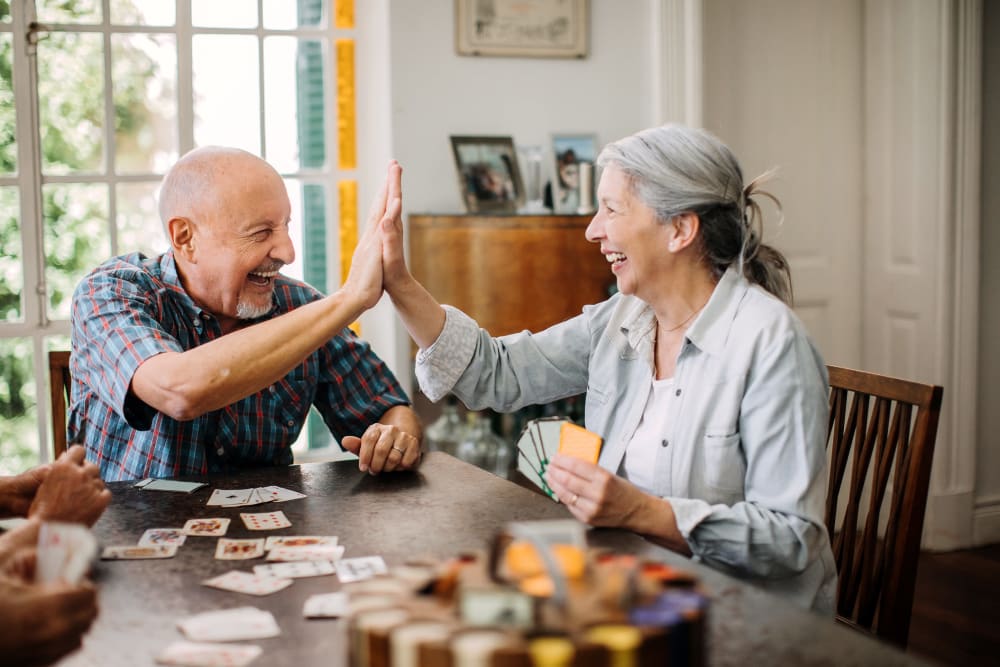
641,452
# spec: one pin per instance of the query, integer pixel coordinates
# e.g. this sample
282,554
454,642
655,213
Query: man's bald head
202,180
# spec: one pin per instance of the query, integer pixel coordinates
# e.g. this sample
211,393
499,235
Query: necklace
686,319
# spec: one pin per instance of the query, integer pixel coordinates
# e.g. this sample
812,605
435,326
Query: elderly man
207,359
40,623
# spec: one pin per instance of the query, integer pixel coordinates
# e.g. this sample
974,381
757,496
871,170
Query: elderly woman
710,397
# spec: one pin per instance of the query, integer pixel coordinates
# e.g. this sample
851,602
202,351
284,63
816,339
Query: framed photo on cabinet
522,28
488,175
570,151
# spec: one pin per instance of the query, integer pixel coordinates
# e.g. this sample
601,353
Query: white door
781,75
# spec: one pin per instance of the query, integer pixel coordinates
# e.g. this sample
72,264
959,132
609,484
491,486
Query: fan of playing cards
542,438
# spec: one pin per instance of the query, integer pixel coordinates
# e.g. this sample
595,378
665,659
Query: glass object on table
447,430
533,193
479,444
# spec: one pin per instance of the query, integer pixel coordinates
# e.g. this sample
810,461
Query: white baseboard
986,523
948,521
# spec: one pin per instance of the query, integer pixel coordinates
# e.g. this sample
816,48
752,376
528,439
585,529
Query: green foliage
71,110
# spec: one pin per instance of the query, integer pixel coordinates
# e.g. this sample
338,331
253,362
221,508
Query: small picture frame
488,175
521,28
570,150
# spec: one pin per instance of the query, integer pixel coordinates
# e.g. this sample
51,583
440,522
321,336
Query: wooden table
445,508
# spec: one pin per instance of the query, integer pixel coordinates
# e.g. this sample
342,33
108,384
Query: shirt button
271,389
290,423
220,451
677,393
196,322
664,443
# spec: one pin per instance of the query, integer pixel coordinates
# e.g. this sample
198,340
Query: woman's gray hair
675,169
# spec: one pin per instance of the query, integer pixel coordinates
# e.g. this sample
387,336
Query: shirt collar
171,279
709,331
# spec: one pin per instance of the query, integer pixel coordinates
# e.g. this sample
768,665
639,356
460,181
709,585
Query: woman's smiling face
632,239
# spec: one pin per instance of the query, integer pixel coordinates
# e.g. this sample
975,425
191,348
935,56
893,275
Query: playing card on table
277,494
227,549
229,625
195,654
300,541
150,484
296,569
131,552
65,551
206,527
306,553
156,536
266,520
233,497
244,582
326,605
357,569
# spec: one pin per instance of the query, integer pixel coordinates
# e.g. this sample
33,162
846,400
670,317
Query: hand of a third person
43,622
18,492
72,491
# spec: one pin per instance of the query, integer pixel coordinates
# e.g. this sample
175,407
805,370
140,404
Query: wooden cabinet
509,272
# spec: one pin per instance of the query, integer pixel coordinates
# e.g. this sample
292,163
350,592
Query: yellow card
579,442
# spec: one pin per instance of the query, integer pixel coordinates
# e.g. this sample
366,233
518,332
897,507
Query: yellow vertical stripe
343,14
348,195
346,122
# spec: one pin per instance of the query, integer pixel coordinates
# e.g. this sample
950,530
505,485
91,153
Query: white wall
434,93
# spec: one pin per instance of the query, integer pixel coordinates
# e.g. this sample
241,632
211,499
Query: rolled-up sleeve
116,324
439,366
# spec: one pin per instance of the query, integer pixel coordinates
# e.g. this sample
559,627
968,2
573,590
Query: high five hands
365,278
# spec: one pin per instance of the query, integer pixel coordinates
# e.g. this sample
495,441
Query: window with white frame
97,99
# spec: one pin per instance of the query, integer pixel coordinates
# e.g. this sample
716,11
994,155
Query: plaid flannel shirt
132,308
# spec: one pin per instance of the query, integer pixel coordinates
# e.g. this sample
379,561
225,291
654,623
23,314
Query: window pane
294,106
71,103
76,239
287,15
144,72
8,129
60,11
225,13
142,12
226,91
139,227
11,270
18,406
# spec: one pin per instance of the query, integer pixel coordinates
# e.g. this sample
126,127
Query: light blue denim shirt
744,464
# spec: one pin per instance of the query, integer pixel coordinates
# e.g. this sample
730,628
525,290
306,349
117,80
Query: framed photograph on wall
488,176
525,28
570,151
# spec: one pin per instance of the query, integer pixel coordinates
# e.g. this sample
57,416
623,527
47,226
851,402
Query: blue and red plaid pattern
132,308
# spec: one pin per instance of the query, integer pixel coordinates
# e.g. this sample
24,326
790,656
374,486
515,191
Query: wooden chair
882,433
59,388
